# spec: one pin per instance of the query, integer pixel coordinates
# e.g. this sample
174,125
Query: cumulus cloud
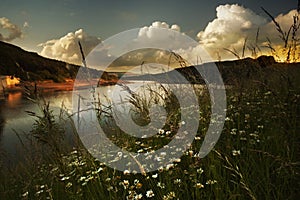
149,34
13,30
66,48
149,38
232,24
285,21
146,43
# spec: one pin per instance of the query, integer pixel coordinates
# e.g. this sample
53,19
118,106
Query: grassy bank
256,157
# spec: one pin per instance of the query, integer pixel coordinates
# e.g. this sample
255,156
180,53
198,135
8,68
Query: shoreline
51,86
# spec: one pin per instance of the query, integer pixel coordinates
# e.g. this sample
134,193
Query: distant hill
232,72
31,66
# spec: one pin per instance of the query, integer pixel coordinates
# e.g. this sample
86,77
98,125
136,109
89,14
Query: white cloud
285,21
231,26
66,48
13,30
153,33
234,23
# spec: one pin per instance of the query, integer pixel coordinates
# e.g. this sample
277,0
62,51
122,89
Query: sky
46,27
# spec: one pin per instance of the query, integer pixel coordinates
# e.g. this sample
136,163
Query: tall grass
257,156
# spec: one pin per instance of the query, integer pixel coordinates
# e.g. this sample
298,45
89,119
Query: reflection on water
14,119
13,99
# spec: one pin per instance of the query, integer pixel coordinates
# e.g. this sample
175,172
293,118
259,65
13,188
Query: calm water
14,119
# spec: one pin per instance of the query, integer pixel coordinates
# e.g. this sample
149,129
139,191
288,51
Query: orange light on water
14,98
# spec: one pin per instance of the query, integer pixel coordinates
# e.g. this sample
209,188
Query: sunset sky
38,25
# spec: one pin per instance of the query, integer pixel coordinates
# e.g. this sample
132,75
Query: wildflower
25,194
178,149
172,194
69,184
161,131
169,166
155,175
140,151
100,169
39,192
149,193
158,158
82,178
126,182
199,185
134,172
161,185
177,181
120,154
139,185
84,183
110,188
126,172
160,169
200,171
64,178
169,196
260,126
138,196
163,154
211,182
168,132
236,152
233,131
74,152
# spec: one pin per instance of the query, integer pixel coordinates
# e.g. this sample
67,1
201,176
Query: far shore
51,86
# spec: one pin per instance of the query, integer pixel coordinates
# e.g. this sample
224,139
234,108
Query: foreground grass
257,156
